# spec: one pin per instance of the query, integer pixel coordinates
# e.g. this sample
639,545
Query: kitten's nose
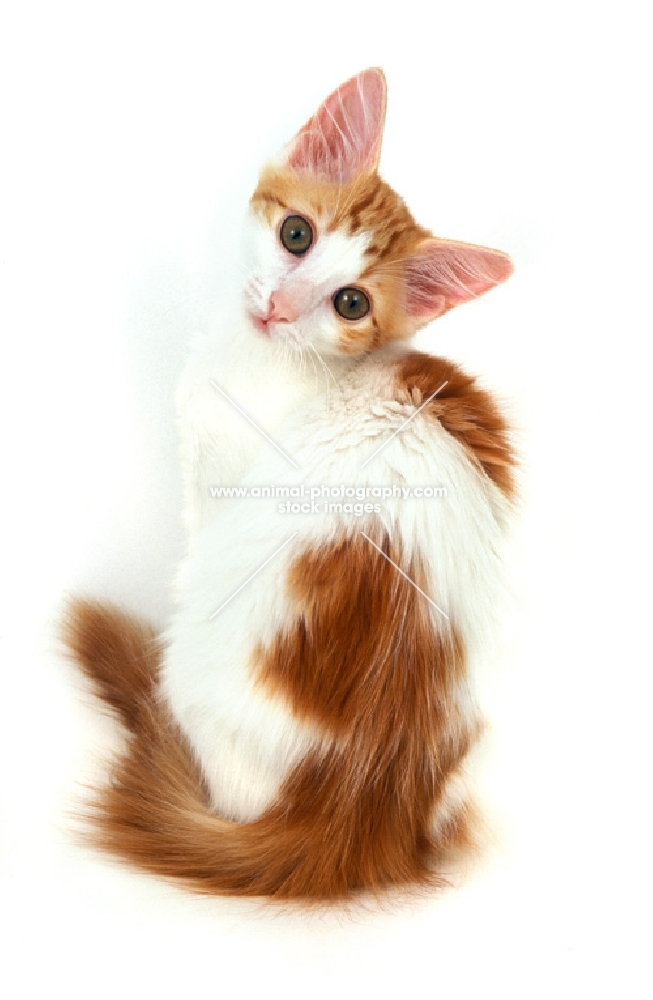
281,308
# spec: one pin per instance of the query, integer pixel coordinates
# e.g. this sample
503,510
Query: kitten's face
324,262
336,260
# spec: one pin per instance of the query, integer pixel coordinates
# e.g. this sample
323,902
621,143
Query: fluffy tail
119,654
154,811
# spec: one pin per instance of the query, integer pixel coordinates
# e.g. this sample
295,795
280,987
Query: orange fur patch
364,659
465,410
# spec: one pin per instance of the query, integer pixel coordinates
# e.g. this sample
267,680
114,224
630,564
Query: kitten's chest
235,391
233,399
252,406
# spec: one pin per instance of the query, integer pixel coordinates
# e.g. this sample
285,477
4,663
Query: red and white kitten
302,728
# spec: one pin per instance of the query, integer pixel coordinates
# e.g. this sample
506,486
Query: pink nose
281,308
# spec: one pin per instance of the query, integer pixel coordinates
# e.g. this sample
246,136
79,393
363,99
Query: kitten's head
337,260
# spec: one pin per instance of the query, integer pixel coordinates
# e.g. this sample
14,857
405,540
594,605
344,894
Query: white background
131,135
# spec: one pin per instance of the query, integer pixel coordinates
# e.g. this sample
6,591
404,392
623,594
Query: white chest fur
223,385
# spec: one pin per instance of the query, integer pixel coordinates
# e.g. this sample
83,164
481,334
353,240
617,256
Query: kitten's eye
351,303
296,234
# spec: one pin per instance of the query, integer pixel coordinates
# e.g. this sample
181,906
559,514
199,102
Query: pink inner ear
443,274
343,138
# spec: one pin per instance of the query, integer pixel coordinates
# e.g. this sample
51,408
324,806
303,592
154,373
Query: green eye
296,234
351,303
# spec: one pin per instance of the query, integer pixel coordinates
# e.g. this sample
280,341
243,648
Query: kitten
301,730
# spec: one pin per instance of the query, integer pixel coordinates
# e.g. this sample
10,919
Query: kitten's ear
442,274
343,138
